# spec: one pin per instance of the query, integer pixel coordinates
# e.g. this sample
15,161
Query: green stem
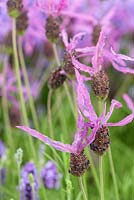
31,101
100,109
96,178
17,70
18,168
56,54
82,189
113,174
7,129
101,178
70,100
49,113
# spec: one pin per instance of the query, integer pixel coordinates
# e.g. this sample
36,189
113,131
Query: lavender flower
50,176
11,88
78,161
101,123
27,190
2,169
2,149
101,53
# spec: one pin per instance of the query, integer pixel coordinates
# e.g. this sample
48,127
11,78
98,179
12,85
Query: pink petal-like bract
123,122
114,104
57,145
83,99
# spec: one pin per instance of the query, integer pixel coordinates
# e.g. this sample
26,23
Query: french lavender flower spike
79,163
101,139
57,145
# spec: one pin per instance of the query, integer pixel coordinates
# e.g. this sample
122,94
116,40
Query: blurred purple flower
12,88
50,176
26,191
52,7
2,149
2,169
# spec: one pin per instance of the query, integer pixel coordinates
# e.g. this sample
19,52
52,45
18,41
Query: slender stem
101,178
56,54
96,178
8,129
18,168
100,109
82,189
70,100
113,174
17,70
49,113
33,192
31,101
18,73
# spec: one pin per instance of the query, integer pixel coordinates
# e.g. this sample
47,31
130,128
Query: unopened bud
18,156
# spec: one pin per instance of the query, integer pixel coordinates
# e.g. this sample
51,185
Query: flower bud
22,23
101,142
18,156
100,84
52,28
67,64
57,78
78,164
14,7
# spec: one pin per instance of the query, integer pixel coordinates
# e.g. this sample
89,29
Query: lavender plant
66,70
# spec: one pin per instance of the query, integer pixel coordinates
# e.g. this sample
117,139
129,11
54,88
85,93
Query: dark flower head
57,78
